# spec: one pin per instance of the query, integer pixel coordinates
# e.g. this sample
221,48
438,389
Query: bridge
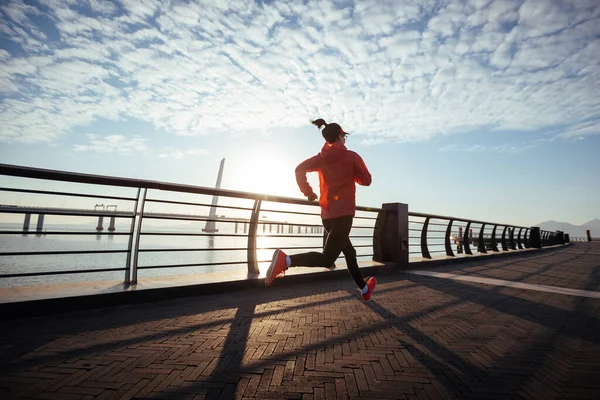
41,212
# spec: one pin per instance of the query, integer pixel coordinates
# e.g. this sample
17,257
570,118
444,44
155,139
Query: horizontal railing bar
192,265
194,249
192,234
41,210
434,224
83,271
306,247
274,235
433,216
186,203
65,176
192,218
47,253
67,194
370,209
314,236
289,212
34,232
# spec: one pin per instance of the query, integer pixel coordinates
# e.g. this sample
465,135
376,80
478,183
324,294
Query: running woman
339,169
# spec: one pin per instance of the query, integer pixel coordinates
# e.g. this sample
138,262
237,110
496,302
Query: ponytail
319,123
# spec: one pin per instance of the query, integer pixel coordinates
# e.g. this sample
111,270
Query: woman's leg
339,229
352,263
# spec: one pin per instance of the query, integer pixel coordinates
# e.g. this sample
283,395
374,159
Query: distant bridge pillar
100,226
111,226
588,235
40,224
535,240
26,223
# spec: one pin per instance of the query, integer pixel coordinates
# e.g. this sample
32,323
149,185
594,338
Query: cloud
578,131
508,149
114,144
178,154
386,71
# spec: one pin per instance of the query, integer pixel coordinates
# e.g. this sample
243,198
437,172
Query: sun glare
265,174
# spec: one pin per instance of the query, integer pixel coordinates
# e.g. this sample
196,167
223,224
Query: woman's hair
331,132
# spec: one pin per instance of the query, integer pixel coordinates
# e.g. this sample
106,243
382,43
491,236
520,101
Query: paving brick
420,337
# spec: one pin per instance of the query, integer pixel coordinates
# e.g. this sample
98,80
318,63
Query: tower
210,226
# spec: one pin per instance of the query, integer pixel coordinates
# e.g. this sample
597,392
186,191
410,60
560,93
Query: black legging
338,241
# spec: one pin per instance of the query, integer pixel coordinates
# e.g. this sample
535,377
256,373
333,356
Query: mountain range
572,230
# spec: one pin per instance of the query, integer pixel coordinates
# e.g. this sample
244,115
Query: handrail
474,221
65,176
430,232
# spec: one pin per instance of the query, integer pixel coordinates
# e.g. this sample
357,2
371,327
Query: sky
485,110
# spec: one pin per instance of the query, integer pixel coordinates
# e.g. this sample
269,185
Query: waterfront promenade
522,326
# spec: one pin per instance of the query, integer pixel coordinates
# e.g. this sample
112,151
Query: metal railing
429,235
138,217
436,235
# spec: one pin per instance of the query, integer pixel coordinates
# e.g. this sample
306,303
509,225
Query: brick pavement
419,338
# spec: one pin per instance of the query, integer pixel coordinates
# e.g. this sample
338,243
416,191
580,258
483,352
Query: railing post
130,245
252,229
390,239
424,248
535,240
447,240
481,246
511,238
560,237
567,238
519,243
494,243
137,240
504,245
588,235
467,239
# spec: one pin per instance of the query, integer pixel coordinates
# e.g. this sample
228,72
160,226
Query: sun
264,172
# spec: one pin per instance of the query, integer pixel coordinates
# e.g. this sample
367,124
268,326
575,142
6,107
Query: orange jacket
338,168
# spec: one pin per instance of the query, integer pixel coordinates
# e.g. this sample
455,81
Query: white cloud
580,130
178,154
510,149
114,144
386,71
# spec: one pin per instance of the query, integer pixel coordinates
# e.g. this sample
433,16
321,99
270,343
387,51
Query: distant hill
573,230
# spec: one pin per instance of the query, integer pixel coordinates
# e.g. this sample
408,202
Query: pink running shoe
371,282
277,267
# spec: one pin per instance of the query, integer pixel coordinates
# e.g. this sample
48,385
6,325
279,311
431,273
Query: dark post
588,235
481,245
111,226
100,226
560,237
40,224
26,223
535,239
390,239
567,238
